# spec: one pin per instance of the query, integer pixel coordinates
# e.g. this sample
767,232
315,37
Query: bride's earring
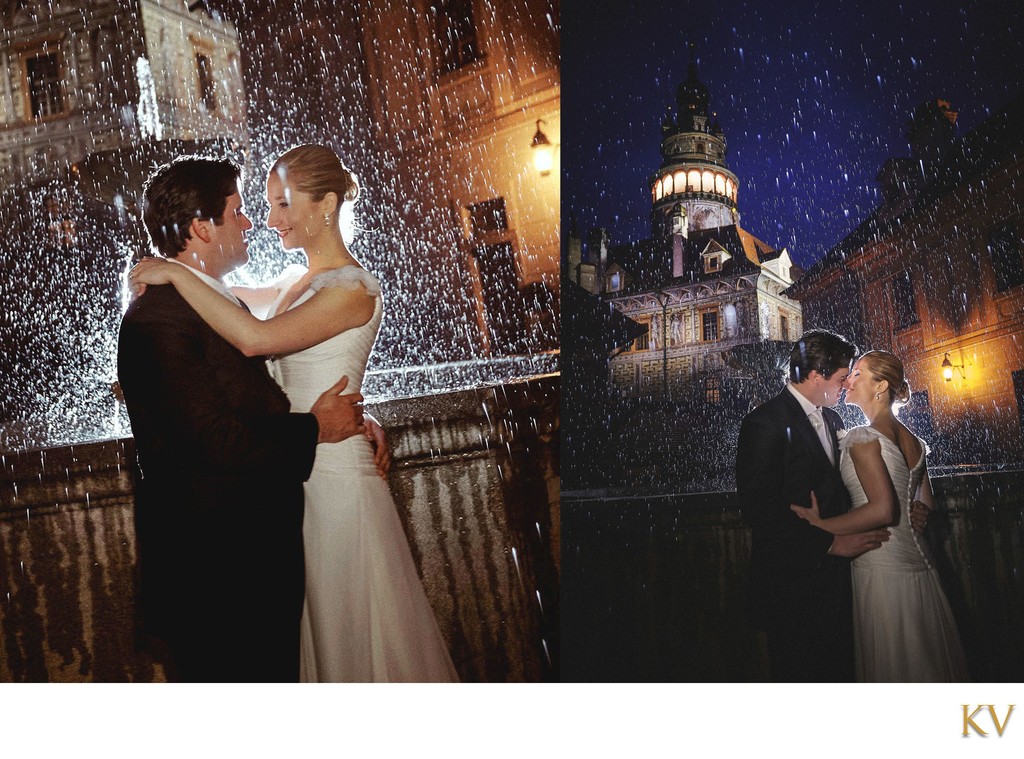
327,220
877,396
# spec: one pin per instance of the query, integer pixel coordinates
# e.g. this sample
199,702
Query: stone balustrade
655,590
475,480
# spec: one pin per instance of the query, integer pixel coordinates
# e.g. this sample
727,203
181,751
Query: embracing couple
270,548
817,496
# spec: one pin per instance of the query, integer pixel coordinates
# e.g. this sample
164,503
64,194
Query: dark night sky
813,97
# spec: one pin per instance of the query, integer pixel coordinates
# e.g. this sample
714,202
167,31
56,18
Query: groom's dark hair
187,188
822,351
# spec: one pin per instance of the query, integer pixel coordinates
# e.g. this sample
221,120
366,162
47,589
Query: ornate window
707,181
709,324
45,85
783,328
903,300
712,389
455,31
693,180
668,184
488,216
1005,249
719,184
643,342
207,84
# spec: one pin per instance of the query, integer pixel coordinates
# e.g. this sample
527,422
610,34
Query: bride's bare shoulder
909,443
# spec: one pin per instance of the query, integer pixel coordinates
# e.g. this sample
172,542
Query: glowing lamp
948,367
543,151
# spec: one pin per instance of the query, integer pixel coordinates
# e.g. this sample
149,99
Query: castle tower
693,182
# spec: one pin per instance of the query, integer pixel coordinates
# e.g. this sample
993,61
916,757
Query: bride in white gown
903,627
366,616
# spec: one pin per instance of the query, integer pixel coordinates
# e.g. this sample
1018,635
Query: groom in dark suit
221,461
799,591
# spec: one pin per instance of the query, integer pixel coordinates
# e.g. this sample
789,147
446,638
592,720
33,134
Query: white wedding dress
902,625
366,616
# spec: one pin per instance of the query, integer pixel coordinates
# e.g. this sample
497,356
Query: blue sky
813,97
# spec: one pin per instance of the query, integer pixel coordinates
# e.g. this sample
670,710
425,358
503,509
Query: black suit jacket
796,589
219,501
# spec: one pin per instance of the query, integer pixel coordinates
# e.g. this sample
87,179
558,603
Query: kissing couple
270,548
840,578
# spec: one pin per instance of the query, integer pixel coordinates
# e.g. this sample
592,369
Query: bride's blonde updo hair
885,366
316,170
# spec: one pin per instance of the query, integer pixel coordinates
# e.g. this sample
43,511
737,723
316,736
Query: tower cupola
693,171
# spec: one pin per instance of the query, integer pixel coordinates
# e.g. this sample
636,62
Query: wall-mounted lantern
948,367
543,151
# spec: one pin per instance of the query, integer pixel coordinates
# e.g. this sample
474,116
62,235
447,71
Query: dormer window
714,257
615,282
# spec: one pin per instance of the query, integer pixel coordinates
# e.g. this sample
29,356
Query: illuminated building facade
465,99
936,275
85,77
701,286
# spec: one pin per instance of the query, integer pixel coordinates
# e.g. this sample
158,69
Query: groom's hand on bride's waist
381,449
852,546
339,416
919,511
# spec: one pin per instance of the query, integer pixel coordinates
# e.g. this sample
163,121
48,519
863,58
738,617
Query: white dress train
903,628
366,616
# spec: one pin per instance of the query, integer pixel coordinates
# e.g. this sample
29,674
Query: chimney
678,255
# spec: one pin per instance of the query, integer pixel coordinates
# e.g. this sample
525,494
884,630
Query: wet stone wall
654,588
475,480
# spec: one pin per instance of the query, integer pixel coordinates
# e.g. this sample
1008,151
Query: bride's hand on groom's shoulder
148,271
151,271
132,285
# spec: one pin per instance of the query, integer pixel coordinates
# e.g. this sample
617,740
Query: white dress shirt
817,420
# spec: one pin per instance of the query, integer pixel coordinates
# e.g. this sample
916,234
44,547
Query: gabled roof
650,261
757,250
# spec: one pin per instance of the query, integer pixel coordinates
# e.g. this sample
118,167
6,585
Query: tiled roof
649,261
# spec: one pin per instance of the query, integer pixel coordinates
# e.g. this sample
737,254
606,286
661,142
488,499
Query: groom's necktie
818,422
